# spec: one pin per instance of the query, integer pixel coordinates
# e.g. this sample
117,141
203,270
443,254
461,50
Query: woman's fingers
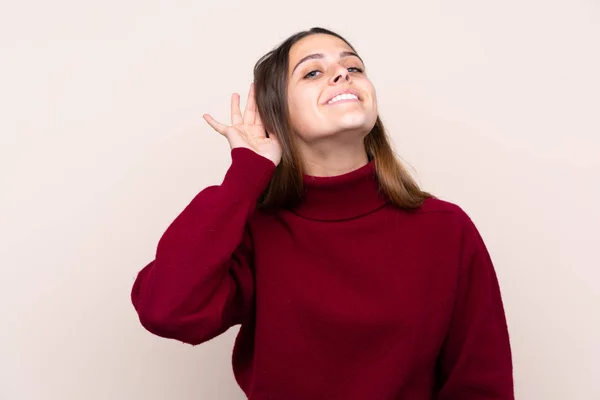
249,125
260,127
236,113
257,120
217,126
250,110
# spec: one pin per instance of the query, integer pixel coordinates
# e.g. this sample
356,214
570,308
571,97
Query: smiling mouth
343,98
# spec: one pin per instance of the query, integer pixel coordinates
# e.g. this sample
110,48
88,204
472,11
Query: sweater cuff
249,172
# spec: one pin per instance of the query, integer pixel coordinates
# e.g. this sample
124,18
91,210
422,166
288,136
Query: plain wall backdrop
494,105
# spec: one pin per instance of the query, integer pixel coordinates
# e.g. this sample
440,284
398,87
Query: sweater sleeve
476,361
201,282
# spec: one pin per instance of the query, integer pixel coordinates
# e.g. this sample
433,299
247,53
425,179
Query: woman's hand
248,131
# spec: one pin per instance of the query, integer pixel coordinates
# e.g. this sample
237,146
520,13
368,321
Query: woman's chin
355,122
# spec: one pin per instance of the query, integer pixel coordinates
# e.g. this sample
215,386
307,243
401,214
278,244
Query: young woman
348,281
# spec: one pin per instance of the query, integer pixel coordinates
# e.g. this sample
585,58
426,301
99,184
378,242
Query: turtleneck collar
341,197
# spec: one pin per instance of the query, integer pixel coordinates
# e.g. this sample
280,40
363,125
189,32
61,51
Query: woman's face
328,90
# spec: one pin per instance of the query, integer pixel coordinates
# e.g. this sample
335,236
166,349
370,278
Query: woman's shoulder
435,209
436,205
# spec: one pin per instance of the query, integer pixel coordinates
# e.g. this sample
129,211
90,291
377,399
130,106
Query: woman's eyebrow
317,56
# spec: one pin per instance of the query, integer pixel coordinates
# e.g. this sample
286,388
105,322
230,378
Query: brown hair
286,187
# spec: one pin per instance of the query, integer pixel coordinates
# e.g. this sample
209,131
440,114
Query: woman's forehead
317,44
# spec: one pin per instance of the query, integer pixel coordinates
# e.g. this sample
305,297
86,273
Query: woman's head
328,92
312,91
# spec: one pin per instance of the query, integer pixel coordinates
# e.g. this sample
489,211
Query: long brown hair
286,187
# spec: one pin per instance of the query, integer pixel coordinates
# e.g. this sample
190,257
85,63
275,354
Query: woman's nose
340,74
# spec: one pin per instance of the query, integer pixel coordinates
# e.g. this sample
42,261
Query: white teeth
345,96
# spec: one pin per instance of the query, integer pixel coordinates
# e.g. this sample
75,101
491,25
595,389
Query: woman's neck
333,161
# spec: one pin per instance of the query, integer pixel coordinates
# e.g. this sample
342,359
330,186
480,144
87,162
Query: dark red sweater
345,297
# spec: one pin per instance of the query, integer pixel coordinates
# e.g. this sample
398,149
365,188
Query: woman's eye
314,73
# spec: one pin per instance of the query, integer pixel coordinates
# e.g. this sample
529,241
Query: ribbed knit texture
344,297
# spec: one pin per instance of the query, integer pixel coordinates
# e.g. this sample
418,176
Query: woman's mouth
343,98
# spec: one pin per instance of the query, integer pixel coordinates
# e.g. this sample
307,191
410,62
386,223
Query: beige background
494,104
